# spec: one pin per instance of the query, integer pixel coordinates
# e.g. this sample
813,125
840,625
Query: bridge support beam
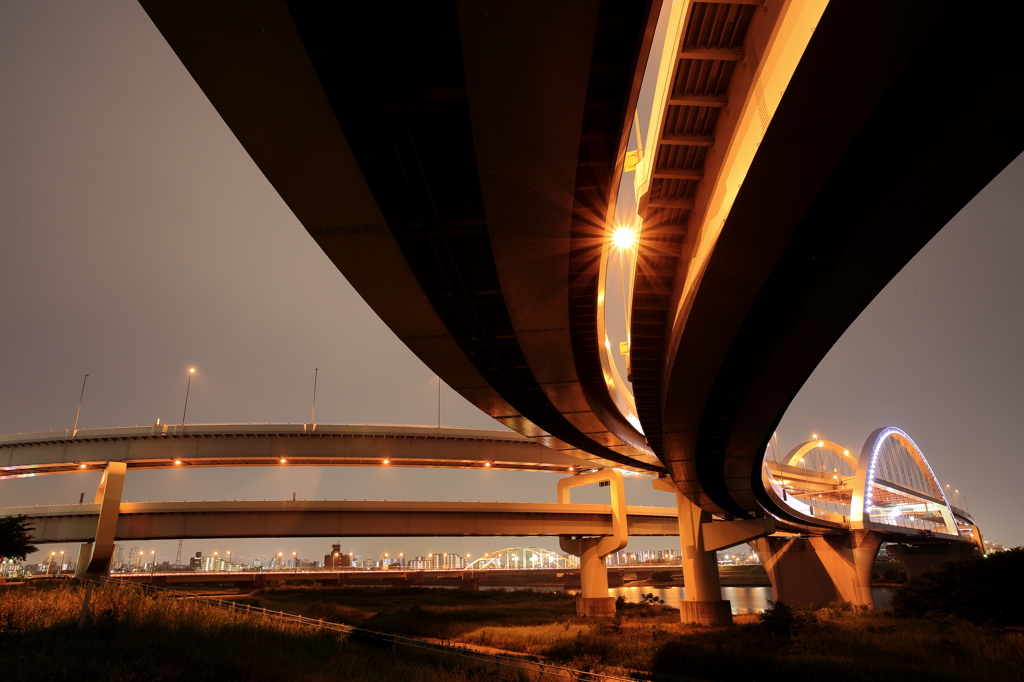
818,570
700,538
594,599
84,556
917,558
108,496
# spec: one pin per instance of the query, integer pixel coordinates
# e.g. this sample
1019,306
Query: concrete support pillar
594,599
84,556
820,569
703,603
108,496
917,558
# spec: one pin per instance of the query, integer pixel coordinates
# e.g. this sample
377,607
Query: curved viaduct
349,518
459,162
211,445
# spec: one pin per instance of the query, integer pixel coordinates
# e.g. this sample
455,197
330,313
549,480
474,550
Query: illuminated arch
844,453
802,505
524,557
867,506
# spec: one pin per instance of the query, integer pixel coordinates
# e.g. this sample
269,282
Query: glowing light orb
624,238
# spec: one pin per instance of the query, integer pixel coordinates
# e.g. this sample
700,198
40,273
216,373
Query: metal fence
535,671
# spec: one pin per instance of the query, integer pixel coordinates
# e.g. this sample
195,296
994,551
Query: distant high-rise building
208,563
133,560
118,563
337,558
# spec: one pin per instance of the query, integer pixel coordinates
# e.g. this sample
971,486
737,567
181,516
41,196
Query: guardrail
543,670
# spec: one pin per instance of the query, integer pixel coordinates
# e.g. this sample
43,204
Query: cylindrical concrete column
593,599
593,571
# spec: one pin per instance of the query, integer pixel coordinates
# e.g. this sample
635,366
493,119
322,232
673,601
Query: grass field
838,643
134,636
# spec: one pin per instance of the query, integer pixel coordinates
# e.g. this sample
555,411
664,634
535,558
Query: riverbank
837,642
132,635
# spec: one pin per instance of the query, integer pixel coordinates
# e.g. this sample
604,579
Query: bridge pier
84,555
821,569
700,538
594,599
917,558
108,496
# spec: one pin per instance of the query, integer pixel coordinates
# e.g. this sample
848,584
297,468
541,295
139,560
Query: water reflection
742,599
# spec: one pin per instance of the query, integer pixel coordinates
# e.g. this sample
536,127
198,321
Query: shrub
783,620
981,590
662,576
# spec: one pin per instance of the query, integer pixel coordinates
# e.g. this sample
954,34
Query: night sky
137,239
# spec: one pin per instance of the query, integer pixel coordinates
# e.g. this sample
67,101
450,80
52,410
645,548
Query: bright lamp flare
624,238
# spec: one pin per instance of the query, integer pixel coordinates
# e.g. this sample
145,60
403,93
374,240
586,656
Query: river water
742,599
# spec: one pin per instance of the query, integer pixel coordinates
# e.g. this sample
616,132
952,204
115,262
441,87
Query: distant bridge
165,446
288,518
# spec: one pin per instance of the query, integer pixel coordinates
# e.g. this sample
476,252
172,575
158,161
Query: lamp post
49,569
280,560
188,387
229,560
138,562
401,560
152,563
79,412
61,571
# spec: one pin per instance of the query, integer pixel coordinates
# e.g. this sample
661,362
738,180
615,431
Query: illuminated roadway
237,445
316,518
459,162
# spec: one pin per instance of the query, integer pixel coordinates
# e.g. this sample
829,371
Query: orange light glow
283,460
387,461
624,238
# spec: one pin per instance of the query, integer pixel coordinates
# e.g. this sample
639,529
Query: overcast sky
137,238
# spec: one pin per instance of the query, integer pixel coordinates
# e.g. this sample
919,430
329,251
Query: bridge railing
445,647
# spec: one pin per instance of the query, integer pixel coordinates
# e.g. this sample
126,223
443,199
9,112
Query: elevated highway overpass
459,162
239,445
347,518
840,507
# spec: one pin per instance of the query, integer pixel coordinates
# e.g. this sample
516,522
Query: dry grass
134,636
831,644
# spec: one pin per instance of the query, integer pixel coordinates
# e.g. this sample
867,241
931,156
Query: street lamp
188,386
138,563
49,568
152,562
280,560
61,571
